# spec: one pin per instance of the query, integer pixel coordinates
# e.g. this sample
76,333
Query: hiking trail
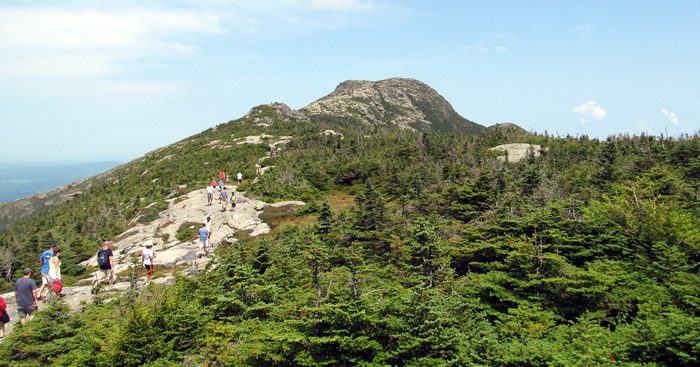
183,216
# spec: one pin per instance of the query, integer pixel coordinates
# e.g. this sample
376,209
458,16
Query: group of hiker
224,197
28,295
106,263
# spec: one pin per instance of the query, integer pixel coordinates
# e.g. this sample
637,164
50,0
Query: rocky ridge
401,102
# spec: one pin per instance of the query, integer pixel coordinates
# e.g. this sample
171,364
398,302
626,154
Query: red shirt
213,183
222,175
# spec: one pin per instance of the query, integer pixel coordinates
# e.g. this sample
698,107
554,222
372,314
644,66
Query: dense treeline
586,255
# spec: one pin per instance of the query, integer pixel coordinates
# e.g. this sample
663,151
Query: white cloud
590,111
98,45
76,41
671,116
498,42
65,29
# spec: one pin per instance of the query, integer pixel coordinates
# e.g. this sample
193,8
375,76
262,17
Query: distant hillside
401,102
32,189
18,180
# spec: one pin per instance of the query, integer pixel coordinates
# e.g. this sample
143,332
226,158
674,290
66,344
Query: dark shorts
149,268
25,311
210,196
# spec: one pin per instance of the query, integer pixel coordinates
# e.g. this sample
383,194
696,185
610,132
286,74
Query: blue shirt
203,234
220,183
45,257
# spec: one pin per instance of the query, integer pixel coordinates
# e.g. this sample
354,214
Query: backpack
3,305
102,259
57,286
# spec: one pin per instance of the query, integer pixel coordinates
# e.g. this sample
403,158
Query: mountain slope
401,102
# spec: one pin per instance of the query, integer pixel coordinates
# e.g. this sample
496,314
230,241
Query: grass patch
243,235
340,201
188,231
151,213
285,216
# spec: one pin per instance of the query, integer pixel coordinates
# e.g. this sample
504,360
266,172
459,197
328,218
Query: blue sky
90,81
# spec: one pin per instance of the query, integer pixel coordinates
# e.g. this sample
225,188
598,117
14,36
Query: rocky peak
266,113
402,102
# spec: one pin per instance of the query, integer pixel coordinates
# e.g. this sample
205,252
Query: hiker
258,170
220,183
239,176
26,296
210,194
105,260
45,259
213,182
233,200
204,239
148,255
223,199
55,272
4,318
207,222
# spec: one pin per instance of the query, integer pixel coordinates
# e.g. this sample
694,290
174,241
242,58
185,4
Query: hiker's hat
149,243
27,271
52,245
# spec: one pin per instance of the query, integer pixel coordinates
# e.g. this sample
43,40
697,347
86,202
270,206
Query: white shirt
239,175
210,189
146,254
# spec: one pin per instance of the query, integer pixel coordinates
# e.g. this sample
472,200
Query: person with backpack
26,296
4,318
233,200
105,261
55,272
147,255
45,260
239,176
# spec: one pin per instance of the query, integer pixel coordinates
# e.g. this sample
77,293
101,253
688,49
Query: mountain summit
406,103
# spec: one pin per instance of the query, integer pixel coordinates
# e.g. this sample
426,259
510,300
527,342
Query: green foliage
585,256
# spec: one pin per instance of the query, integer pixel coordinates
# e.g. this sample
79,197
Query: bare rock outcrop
401,102
518,151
